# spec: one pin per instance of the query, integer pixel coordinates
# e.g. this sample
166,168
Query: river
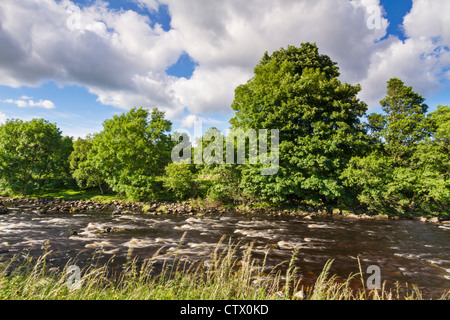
405,251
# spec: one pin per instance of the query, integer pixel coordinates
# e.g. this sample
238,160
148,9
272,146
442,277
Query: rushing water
406,251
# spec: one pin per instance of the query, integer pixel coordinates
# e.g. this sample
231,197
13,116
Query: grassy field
226,277
67,194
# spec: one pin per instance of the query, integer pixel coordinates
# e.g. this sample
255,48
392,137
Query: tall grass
230,274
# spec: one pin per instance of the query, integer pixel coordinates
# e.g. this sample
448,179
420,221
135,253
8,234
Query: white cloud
120,58
192,120
228,39
410,61
210,90
420,61
149,4
3,118
429,19
47,104
21,103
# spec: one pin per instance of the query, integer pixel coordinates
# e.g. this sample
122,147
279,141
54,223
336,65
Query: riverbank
190,208
225,278
406,251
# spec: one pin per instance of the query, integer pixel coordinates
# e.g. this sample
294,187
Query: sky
78,63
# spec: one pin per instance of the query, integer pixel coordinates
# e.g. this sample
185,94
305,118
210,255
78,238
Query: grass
73,194
229,275
92,194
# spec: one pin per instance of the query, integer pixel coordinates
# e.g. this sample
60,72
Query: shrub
179,180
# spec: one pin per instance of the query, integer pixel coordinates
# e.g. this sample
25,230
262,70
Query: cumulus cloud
121,58
210,90
106,52
412,61
3,118
428,19
421,60
228,38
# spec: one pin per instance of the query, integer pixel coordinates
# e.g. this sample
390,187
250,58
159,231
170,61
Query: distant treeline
331,152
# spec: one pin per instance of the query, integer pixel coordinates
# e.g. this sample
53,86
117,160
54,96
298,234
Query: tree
433,157
32,154
404,123
406,170
297,91
81,164
221,179
62,176
132,150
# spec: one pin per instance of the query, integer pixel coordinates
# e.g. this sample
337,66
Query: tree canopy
132,150
33,154
406,172
298,92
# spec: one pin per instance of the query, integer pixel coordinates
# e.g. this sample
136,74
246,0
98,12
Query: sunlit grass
71,194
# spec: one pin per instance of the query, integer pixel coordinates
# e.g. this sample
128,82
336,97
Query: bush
223,183
179,180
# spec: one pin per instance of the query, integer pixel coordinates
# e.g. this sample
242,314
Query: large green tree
407,171
404,122
132,150
432,156
297,91
82,166
33,155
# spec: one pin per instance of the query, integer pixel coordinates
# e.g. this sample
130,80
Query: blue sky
186,57
395,11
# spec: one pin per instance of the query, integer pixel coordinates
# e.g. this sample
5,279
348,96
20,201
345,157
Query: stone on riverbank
434,220
381,217
300,295
351,216
117,207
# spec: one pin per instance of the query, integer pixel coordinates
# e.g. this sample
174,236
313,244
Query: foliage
297,91
404,122
180,180
82,167
433,158
132,150
221,179
224,185
33,155
407,171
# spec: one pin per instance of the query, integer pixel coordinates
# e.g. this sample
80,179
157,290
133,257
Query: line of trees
332,153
